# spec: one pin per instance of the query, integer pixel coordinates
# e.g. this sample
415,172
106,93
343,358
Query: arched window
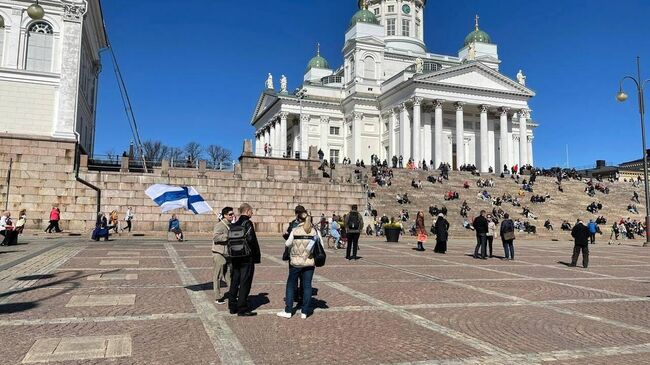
40,40
2,37
369,68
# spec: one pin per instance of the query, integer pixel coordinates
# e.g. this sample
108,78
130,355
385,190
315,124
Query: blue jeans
306,274
509,249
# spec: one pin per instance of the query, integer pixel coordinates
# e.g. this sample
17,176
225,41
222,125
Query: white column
404,133
346,150
460,135
258,146
392,151
267,135
427,145
503,140
437,132
523,144
530,151
273,139
324,134
484,139
417,125
304,137
357,125
283,134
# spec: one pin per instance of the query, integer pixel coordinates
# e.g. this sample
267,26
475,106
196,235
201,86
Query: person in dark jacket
580,234
507,232
442,234
481,227
243,268
353,224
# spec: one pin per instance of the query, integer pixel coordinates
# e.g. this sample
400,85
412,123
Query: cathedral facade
391,97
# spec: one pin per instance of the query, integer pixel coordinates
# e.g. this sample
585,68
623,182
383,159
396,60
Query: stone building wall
43,176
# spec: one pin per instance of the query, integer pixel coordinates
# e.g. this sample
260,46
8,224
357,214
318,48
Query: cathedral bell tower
403,22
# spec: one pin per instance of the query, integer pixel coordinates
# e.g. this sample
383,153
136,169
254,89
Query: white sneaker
303,316
283,314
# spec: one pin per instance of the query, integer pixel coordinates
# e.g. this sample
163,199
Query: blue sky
195,69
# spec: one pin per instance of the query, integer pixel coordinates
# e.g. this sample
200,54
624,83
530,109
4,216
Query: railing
426,67
114,163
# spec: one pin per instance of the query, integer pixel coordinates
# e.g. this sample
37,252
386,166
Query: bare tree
193,151
175,154
218,155
154,150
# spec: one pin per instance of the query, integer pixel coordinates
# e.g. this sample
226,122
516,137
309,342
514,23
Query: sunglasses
230,214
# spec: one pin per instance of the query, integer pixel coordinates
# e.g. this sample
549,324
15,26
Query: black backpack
353,222
237,245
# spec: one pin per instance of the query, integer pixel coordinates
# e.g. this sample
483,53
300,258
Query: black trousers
353,245
54,225
490,239
592,237
241,280
576,254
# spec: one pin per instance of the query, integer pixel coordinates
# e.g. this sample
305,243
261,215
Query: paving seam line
538,304
413,318
225,342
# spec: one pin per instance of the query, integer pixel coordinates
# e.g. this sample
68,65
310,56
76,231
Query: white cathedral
393,98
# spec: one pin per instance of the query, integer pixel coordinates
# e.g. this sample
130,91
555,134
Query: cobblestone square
393,306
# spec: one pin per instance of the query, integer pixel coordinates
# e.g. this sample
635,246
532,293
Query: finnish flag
177,197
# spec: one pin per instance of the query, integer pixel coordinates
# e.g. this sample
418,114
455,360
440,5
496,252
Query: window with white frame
376,11
334,156
40,40
390,27
391,8
406,28
335,131
369,68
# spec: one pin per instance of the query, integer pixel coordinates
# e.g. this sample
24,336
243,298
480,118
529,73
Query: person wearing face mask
219,253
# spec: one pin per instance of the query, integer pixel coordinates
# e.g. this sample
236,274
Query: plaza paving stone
394,306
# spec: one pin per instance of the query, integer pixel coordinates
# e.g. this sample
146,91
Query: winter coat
480,225
301,246
442,230
253,243
593,227
580,234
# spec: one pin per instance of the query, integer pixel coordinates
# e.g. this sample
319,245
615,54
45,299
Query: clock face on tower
406,9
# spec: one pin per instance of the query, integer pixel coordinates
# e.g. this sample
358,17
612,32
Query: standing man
593,228
481,226
243,268
299,210
222,268
580,234
353,224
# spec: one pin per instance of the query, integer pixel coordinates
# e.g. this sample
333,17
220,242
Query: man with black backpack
353,224
244,252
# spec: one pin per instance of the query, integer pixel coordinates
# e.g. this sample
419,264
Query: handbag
509,236
286,255
319,254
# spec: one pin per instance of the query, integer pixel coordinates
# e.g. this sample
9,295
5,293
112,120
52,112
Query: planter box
392,234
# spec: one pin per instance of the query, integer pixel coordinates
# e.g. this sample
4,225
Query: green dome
477,36
318,62
363,16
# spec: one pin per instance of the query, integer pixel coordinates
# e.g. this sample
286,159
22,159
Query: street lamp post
622,97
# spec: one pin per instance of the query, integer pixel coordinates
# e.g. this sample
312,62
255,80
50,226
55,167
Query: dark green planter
392,234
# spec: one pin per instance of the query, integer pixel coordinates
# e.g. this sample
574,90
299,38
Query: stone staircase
569,205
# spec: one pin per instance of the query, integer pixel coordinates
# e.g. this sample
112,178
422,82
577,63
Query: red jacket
55,215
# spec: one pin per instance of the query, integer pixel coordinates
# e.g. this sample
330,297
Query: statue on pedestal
269,82
283,84
419,65
521,78
471,52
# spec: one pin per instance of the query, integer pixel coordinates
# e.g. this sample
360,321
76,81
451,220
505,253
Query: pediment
266,99
475,75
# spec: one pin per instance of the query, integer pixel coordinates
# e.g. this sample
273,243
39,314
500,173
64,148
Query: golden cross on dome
476,18
318,48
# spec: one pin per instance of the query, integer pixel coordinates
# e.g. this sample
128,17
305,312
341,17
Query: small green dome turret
363,16
477,35
318,61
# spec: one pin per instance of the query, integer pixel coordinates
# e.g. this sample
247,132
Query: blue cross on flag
177,197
